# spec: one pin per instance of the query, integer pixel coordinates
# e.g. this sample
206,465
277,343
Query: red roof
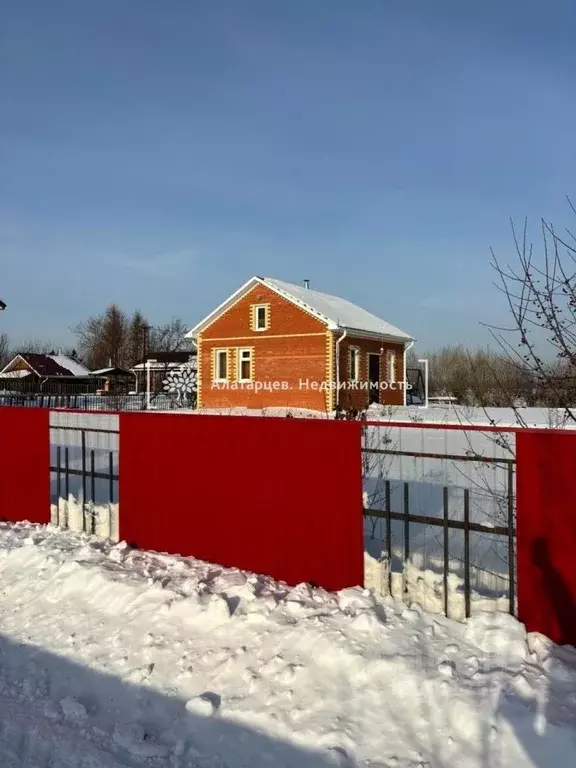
44,365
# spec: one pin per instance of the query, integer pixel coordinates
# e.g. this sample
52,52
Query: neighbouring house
115,381
47,374
159,365
272,343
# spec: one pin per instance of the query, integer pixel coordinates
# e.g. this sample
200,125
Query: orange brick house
277,344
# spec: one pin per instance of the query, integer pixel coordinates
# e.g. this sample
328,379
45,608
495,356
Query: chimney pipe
306,283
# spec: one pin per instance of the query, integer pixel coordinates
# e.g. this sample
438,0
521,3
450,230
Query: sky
158,154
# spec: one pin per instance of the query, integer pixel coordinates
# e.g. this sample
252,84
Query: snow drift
113,657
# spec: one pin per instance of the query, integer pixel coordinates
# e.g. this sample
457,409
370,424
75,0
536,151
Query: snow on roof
336,311
158,365
113,371
74,366
49,365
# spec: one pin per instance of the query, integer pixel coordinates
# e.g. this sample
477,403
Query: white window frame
354,354
217,355
266,309
239,362
391,366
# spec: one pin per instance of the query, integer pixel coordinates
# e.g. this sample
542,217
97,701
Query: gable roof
335,312
50,365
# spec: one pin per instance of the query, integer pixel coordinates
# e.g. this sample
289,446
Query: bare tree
136,342
35,346
477,377
5,355
170,337
89,339
540,292
103,338
115,338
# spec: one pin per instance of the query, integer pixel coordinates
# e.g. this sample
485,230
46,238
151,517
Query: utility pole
425,364
145,340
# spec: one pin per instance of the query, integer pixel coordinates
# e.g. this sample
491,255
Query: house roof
337,313
162,361
114,371
50,365
159,366
182,356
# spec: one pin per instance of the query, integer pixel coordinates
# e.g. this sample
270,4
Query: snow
464,416
102,518
117,658
339,312
468,415
15,374
159,366
76,368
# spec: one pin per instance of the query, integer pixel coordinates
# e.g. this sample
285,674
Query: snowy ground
438,414
116,658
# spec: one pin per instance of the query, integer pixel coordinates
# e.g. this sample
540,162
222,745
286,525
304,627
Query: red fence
24,464
283,497
276,496
546,532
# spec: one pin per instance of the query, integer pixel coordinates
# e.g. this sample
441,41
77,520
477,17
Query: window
244,365
220,365
260,317
354,363
391,365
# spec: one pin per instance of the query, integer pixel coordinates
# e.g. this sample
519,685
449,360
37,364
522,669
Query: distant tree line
478,377
116,338
488,378
113,337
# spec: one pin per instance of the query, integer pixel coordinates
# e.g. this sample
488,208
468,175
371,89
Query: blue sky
158,154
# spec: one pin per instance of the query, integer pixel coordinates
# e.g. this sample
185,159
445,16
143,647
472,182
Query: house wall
27,384
291,357
19,365
350,397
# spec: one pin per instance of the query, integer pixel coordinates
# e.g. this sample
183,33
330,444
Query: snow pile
71,513
425,587
114,657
